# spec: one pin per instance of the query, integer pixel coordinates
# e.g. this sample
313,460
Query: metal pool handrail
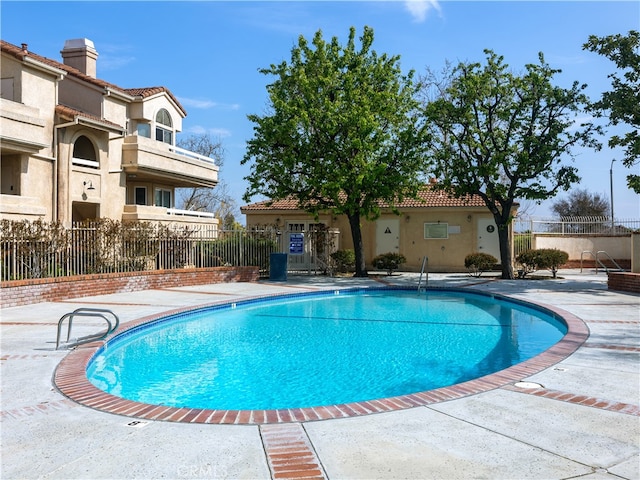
424,271
88,312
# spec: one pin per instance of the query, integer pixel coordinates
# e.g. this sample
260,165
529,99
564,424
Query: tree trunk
505,247
356,235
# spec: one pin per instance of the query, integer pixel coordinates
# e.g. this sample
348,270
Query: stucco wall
81,96
616,247
444,254
114,110
151,107
11,68
28,176
635,252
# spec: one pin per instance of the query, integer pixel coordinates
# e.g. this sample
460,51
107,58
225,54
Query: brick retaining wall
624,281
24,292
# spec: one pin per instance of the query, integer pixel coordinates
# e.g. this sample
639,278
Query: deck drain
137,424
528,385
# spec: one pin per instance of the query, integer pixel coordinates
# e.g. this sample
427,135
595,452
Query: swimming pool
307,350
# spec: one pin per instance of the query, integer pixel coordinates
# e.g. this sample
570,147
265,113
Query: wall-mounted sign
296,243
436,230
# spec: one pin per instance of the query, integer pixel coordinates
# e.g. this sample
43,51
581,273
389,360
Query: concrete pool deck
584,422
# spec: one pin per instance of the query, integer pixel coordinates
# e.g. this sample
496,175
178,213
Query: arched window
164,127
84,153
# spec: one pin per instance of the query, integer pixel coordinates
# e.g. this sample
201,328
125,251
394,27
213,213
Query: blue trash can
278,267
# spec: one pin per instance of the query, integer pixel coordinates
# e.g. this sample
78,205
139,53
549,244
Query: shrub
389,262
544,258
478,262
345,260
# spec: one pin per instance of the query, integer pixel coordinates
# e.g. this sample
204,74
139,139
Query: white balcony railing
190,213
189,154
148,213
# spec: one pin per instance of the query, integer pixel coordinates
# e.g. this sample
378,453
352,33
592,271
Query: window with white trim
436,230
163,198
84,153
164,127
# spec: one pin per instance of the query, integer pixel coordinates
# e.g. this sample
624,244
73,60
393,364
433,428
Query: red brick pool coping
71,380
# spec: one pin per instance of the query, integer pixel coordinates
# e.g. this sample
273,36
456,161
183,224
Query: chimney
81,54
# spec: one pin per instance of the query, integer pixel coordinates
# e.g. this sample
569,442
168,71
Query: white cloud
194,103
109,63
419,8
114,56
206,104
214,132
579,120
220,132
565,60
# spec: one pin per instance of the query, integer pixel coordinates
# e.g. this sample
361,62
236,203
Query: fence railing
41,249
525,230
578,226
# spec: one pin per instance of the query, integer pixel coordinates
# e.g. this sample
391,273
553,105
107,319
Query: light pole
611,186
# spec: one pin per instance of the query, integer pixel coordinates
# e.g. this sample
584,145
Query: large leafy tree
622,103
503,136
342,132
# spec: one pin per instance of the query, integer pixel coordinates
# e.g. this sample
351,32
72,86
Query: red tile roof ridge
145,92
427,197
72,113
21,54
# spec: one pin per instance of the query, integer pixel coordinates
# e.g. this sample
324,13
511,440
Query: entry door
488,241
304,248
387,235
300,259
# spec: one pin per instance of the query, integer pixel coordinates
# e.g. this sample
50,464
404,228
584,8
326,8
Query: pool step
290,453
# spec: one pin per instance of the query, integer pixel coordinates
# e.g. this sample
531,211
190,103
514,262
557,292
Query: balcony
145,213
148,159
16,207
23,128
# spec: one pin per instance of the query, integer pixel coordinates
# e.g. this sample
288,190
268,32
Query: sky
208,53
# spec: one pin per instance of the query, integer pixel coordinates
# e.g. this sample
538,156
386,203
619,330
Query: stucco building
75,147
443,228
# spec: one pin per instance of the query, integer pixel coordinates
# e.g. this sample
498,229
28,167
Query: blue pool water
311,350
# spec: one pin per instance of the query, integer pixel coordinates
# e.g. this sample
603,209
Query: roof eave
119,94
60,74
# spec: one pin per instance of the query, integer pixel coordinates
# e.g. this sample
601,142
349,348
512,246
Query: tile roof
150,91
21,53
72,114
427,197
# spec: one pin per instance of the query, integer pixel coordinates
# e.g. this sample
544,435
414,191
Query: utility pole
611,186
